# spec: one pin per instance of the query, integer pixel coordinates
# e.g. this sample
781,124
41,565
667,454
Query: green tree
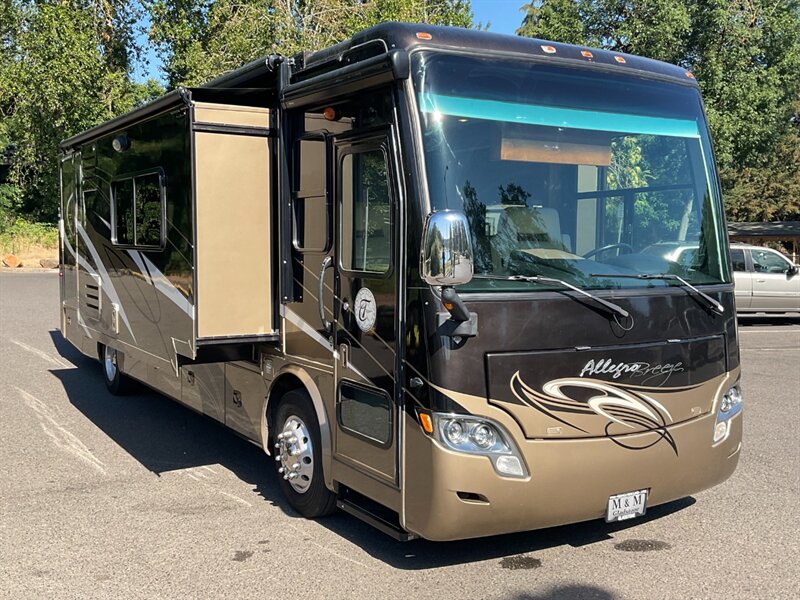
655,28
768,190
513,195
200,39
746,57
64,67
475,211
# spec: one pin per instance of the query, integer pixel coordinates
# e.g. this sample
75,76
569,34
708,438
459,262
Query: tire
296,429
116,381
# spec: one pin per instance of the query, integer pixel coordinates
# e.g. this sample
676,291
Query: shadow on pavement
163,435
570,592
159,433
422,554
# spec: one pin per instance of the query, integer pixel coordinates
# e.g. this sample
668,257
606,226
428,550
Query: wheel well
285,383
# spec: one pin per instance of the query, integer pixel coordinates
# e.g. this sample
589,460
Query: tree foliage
64,67
746,57
200,39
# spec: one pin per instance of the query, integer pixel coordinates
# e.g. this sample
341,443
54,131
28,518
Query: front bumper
455,496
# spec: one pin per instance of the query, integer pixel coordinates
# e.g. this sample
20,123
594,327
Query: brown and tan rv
414,269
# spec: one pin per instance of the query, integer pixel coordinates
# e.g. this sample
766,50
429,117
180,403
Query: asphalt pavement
138,497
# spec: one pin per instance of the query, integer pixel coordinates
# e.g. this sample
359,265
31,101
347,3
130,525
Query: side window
138,213
310,208
366,412
366,237
737,260
122,192
148,210
765,261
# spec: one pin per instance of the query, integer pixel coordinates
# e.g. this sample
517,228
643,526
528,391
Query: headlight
731,400
478,435
730,405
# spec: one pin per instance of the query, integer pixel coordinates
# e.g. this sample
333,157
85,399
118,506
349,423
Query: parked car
766,281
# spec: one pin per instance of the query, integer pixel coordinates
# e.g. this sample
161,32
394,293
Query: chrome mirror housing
446,257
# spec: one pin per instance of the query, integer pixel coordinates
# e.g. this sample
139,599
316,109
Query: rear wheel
298,455
116,382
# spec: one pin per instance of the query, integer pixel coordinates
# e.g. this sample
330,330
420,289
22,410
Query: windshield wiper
539,279
669,277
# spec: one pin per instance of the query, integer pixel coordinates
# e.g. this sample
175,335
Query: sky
502,16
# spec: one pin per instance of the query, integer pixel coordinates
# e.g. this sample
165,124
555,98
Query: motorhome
413,268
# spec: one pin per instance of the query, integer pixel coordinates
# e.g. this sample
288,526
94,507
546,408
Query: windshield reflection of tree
500,242
524,216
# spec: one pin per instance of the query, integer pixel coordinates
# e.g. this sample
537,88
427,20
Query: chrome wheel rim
295,454
110,363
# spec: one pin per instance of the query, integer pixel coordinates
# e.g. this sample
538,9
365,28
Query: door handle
761,280
327,263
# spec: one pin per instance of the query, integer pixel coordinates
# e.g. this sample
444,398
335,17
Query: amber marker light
690,75
426,422
423,35
549,49
330,114
619,59
586,54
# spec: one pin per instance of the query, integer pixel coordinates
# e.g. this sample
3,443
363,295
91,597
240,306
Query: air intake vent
92,299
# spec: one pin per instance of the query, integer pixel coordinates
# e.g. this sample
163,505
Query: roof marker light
424,35
690,75
619,59
586,54
549,49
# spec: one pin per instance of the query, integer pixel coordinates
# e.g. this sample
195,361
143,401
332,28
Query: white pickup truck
766,281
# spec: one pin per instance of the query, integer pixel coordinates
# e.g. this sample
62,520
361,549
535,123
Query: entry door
69,223
365,311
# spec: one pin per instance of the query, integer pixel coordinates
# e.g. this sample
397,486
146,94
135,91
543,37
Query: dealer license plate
626,506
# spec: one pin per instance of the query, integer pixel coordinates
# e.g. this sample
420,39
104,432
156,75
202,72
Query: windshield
570,173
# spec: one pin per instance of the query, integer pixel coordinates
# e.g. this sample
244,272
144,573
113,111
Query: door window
366,240
737,260
765,261
366,412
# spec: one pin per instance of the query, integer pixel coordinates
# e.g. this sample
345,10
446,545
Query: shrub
18,236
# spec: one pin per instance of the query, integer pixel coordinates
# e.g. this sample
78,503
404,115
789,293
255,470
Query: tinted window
123,205
366,412
567,173
366,212
737,260
148,210
138,210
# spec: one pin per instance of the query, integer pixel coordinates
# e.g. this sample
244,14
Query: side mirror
446,257
793,270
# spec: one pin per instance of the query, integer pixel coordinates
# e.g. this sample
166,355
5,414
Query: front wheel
298,454
117,383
